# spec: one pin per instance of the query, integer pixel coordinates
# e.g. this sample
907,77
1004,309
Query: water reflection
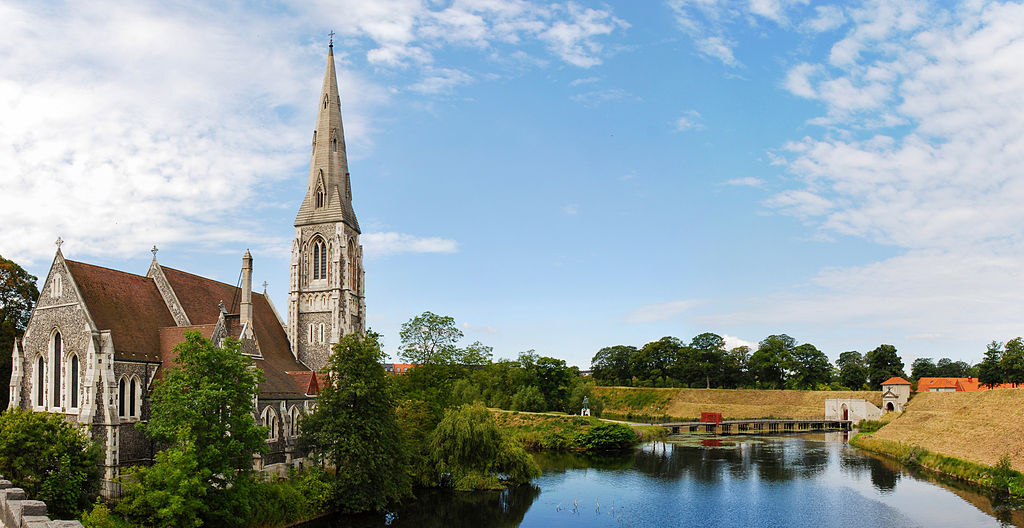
807,480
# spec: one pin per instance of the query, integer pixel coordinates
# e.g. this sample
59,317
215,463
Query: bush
606,436
51,459
469,451
100,516
870,426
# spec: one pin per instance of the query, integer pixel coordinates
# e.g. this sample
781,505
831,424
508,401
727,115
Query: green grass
574,433
1001,477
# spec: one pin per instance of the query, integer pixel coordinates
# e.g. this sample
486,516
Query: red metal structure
711,417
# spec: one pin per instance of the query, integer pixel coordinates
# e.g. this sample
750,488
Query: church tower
326,298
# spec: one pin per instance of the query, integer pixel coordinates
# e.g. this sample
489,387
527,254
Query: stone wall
16,511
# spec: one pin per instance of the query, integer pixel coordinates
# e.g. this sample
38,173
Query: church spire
328,191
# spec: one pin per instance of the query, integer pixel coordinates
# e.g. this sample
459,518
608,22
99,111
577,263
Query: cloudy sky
558,176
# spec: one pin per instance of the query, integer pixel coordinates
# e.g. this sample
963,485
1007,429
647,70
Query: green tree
469,451
734,367
883,363
1013,361
528,399
708,355
430,338
810,367
853,370
611,365
769,363
656,359
923,368
990,370
171,492
18,294
204,408
354,427
50,458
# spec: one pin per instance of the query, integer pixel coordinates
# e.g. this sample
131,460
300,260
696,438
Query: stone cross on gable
264,286
154,250
59,242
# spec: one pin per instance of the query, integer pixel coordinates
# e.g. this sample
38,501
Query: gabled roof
960,384
895,380
128,305
200,298
171,336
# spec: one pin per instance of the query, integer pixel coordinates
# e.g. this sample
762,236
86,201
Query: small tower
325,298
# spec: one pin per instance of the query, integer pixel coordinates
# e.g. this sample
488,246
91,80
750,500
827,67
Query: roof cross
154,250
59,242
332,37
264,286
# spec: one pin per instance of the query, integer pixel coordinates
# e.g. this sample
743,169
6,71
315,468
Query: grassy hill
975,426
732,403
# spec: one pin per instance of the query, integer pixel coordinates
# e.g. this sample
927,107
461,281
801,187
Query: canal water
805,480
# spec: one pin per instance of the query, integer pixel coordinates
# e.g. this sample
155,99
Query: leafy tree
853,370
883,363
50,458
990,371
611,365
947,368
204,408
529,399
171,492
469,451
923,368
430,338
18,294
581,391
734,367
355,428
657,358
768,364
708,354
1013,361
810,367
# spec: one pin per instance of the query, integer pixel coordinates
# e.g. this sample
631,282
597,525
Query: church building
99,338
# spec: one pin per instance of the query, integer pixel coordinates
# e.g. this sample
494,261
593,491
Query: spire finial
154,250
59,242
264,286
332,38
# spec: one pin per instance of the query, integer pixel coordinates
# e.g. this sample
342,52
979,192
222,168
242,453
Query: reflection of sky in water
779,482
786,482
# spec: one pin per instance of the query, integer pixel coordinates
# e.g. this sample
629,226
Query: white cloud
690,120
659,312
732,342
718,48
391,243
828,17
748,181
571,209
584,80
441,81
596,97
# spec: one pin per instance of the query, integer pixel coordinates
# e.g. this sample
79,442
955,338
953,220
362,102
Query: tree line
779,362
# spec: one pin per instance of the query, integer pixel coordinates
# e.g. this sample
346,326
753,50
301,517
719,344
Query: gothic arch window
294,422
134,394
57,346
319,259
319,197
353,268
40,381
310,333
73,383
326,99
270,422
334,144
58,286
122,388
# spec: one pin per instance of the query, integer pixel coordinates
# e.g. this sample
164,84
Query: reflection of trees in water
562,461
884,473
444,508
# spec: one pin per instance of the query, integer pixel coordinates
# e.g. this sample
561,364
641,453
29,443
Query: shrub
528,399
607,437
51,459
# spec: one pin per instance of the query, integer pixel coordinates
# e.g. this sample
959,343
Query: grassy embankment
973,436
634,403
538,431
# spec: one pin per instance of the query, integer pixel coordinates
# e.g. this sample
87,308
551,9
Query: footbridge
758,426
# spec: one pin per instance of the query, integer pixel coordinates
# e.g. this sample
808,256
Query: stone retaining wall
16,511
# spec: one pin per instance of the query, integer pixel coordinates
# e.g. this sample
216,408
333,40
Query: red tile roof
128,305
200,298
895,380
169,337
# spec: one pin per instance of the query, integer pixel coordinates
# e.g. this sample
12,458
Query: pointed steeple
328,192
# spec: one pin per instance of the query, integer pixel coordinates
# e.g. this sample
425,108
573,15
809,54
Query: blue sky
557,176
